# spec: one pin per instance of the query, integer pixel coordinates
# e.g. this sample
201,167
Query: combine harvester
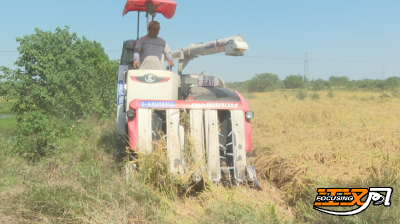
156,104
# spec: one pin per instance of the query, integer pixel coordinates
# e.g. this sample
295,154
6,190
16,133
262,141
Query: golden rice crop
307,143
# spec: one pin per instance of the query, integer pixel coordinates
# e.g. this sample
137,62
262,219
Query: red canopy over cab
165,7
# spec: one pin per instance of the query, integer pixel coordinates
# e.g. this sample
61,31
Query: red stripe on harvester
133,129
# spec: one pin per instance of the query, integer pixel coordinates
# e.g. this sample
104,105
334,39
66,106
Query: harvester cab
185,108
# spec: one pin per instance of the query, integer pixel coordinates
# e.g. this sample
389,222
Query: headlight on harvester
249,115
131,113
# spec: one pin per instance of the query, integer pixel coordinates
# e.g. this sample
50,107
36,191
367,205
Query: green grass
6,124
84,181
239,213
5,106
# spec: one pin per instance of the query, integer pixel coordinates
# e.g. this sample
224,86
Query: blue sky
356,38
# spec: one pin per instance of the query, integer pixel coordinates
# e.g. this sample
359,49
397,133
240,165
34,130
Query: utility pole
306,73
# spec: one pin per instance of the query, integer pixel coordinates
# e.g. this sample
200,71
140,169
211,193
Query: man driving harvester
149,49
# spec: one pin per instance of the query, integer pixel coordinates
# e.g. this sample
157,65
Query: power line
280,58
249,56
329,60
302,59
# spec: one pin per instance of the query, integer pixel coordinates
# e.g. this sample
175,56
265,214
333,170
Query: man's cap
154,24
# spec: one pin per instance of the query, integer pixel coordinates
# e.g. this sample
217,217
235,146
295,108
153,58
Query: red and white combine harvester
156,104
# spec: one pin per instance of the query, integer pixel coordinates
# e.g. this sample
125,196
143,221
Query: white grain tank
152,85
144,85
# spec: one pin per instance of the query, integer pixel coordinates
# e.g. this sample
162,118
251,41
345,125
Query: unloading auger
153,103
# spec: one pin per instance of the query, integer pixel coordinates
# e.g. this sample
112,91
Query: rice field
342,139
300,143
329,139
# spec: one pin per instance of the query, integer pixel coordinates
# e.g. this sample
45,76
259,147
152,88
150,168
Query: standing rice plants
337,142
315,96
154,170
395,93
330,94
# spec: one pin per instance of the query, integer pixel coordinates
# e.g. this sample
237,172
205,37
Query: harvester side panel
197,134
121,115
174,142
239,144
145,134
212,144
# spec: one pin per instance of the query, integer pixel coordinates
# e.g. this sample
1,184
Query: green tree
293,82
339,80
263,82
365,83
328,84
318,84
239,86
59,77
63,75
392,82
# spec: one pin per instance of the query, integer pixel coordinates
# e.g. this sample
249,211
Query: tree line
266,82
